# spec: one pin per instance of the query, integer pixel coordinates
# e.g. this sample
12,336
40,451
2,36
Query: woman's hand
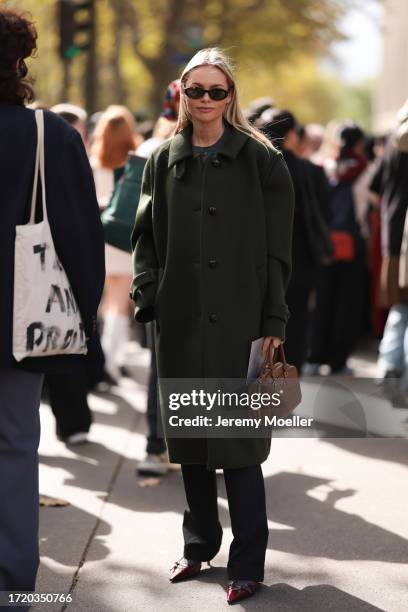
268,342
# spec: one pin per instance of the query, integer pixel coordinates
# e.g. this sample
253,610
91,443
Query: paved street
337,512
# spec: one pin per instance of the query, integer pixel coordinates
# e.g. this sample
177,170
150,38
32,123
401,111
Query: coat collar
180,144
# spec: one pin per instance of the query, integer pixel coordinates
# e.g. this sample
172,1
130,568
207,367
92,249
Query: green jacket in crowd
211,262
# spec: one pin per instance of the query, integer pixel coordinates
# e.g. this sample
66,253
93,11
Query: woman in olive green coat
211,255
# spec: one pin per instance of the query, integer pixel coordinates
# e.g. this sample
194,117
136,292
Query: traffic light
76,24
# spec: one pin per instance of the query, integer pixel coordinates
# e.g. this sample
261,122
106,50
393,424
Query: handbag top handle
39,168
269,357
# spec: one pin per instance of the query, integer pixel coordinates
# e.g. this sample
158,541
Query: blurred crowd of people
351,198
349,277
349,244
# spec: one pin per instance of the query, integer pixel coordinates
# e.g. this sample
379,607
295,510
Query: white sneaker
77,438
154,465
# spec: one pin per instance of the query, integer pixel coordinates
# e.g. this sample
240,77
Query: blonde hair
213,56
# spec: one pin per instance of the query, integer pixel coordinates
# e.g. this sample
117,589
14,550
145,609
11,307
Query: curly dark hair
18,40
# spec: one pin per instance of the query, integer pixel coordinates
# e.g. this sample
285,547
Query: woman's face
204,109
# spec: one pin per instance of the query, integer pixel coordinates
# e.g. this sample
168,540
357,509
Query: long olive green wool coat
211,262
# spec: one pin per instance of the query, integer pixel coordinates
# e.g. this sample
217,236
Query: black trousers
19,504
68,397
338,315
246,500
155,444
297,328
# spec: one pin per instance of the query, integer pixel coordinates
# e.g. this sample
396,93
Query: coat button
216,162
212,263
213,317
212,210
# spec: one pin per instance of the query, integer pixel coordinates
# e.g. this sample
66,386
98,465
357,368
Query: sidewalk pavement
337,511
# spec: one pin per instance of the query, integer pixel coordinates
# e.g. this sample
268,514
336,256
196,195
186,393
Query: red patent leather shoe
238,590
184,569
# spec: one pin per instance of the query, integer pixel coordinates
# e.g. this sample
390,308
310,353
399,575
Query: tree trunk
162,68
91,66
119,23
164,73
66,81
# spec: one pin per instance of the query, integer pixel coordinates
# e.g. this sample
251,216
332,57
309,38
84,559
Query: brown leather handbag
278,378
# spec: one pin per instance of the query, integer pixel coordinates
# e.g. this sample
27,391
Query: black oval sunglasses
216,93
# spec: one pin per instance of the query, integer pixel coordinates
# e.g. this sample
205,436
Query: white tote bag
46,319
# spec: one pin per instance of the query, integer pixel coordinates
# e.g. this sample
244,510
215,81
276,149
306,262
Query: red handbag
278,377
343,244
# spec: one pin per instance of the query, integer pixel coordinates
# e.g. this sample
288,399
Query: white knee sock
115,335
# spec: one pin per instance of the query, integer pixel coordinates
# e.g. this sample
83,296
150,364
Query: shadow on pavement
65,531
282,597
320,530
394,450
64,536
143,586
285,598
119,417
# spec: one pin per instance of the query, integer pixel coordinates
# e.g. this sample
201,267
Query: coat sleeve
394,205
279,211
144,256
76,226
376,183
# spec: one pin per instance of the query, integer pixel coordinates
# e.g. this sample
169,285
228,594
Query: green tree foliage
355,102
143,44
301,86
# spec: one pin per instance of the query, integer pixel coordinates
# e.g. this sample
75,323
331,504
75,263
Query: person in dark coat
338,315
77,233
68,394
211,252
307,146
311,241
390,182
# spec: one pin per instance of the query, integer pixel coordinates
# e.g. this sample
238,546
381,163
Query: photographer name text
266,421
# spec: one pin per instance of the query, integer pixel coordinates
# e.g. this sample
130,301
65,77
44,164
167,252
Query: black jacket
311,240
391,183
322,189
73,215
